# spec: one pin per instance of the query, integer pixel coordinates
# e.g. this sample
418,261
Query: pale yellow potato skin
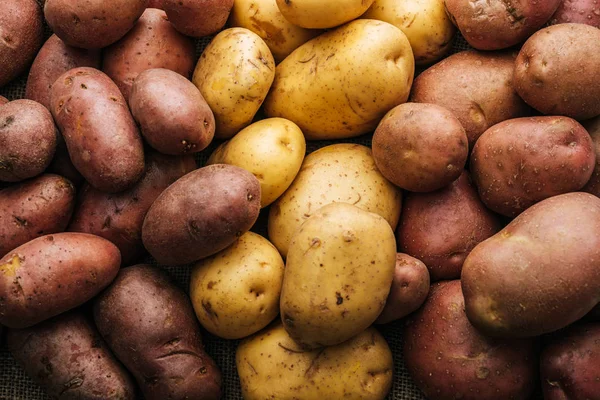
234,75
272,149
272,366
322,14
341,83
235,293
424,22
338,275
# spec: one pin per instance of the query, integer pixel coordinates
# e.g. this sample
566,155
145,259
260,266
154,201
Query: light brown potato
198,18
317,14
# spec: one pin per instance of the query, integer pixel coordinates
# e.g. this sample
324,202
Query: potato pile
457,194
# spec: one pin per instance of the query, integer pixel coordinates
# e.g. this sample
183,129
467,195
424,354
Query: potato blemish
10,268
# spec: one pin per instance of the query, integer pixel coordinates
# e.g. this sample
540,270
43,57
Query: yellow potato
424,22
234,75
341,83
235,293
272,149
336,173
322,14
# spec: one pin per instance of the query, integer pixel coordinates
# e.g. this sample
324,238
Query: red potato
155,4
577,11
198,18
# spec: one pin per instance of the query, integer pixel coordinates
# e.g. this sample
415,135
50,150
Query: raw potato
3,100
149,324
67,358
236,292
53,274
424,22
234,74
338,275
449,359
593,128
577,11
341,83
272,149
198,18
317,14
341,172
540,273
359,369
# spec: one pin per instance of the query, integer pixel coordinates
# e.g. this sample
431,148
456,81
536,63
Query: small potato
67,357
272,149
318,14
198,18
173,116
27,140
234,75
272,366
577,11
420,147
593,128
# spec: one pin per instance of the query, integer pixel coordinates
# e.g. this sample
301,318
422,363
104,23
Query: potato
3,100
22,36
54,59
593,128
235,293
341,83
198,18
319,14
540,273
577,11
201,214
272,149
420,147
92,24
519,162
472,85
34,208
234,75
173,116
449,359
110,154
341,172
152,43
53,274
67,358
155,4
564,85
424,22
272,366
264,18
338,275
27,140
119,217
410,287
441,228
62,165
149,324
493,25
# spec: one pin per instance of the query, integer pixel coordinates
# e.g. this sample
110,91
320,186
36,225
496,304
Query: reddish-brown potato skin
477,87
53,274
442,227
151,327
152,43
553,77
119,217
409,289
27,140
92,24
593,128
62,165
201,214
102,138
198,18
520,162
173,116
578,12
449,359
155,4
67,357
34,208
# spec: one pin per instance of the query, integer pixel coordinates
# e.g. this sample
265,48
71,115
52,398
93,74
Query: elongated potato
322,14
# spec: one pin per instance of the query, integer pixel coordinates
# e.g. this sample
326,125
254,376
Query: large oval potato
577,11
271,365
540,273
198,18
317,14
341,83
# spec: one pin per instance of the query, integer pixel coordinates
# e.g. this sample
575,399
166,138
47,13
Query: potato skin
201,214
68,358
316,14
449,359
53,274
592,126
110,155
531,252
150,326
520,162
198,18
62,165
34,208
549,83
3,100
578,12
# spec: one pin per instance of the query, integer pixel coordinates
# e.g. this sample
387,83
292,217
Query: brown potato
150,325
577,11
110,155
152,43
519,162
155,4
197,18
593,128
